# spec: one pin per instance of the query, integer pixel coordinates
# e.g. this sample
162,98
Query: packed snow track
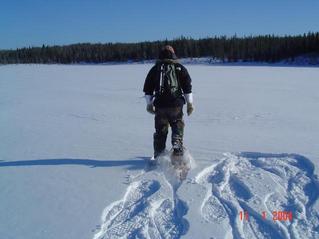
256,184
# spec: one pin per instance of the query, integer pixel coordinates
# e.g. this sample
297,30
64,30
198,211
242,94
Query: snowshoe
176,159
153,161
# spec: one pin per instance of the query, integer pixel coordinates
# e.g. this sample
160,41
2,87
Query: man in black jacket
172,86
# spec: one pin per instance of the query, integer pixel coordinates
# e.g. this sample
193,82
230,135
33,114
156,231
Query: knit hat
167,52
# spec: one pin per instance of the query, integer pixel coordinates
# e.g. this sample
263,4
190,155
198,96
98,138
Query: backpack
169,83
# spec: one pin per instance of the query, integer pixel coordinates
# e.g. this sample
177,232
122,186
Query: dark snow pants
165,117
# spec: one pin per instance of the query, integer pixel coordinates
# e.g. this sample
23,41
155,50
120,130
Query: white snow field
74,144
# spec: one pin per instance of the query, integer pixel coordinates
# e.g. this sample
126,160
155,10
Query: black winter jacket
152,84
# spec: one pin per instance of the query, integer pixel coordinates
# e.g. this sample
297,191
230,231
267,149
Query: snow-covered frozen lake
74,142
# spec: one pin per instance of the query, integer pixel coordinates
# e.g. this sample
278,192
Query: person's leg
161,130
177,124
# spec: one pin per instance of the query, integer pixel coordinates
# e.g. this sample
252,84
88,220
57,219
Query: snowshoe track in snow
243,182
256,182
145,212
150,207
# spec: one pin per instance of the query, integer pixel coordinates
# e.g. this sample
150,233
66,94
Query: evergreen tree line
266,48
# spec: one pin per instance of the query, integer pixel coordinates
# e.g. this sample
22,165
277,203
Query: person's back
172,86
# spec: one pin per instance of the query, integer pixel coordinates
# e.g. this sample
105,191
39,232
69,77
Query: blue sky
58,22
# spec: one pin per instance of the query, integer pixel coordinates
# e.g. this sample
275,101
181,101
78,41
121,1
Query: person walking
172,85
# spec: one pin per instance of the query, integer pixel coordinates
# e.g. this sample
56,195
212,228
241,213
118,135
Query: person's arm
149,87
185,81
149,84
186,84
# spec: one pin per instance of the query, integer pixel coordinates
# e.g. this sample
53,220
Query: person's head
167,52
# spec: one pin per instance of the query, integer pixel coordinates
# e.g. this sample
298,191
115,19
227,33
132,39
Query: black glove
190,109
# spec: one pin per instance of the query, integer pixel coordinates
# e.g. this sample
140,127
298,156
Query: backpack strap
161,89
178,70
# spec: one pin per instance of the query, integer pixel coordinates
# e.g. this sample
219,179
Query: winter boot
178,150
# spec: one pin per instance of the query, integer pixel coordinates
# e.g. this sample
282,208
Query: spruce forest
265,48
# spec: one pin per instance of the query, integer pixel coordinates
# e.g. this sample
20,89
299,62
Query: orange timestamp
276,215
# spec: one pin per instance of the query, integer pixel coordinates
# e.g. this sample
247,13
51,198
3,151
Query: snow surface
74,142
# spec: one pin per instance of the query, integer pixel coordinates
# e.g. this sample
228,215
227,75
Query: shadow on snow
133,164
